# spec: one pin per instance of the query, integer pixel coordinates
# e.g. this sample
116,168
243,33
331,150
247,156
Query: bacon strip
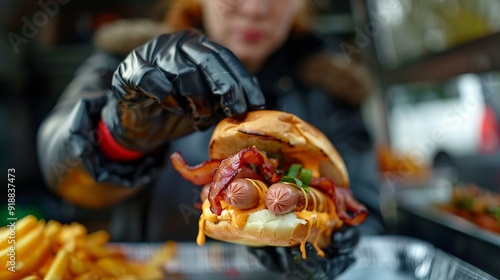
231,166
219,174
344,201
250,173
200,174
325,185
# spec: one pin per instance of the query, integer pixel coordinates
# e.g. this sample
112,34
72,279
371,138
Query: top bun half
277,132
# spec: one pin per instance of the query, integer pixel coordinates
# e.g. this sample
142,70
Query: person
152,89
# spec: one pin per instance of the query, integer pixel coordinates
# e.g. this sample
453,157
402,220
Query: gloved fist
173,85
288,260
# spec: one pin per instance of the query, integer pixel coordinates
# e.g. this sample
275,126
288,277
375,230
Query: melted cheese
325,222
238,216
235,216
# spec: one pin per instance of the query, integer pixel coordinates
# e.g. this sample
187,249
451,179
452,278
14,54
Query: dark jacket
149,200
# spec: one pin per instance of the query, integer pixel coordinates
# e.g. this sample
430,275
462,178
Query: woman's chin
252,59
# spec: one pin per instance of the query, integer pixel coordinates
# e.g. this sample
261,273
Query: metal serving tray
417,215
406,258
377,257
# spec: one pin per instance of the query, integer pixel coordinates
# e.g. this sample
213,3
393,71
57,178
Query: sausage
204,192
283,198
241,194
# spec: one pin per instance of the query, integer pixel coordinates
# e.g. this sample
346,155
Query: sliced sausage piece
241,194
283,198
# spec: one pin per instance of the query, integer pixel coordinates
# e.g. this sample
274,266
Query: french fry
77,266
89,275
30,264
69,246
32,277
4,234
115,267
54,251
99,252
72,231
58,267
102,273
166,253
52,230
21,228
44,268
24,244
100,237
83,255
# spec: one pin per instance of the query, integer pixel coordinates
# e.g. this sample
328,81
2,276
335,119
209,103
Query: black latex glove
173,85
339,256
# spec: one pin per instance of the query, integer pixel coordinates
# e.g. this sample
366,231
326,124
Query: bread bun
262,228
285,136
277,132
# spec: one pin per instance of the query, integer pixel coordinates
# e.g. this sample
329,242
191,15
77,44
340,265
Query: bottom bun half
262,228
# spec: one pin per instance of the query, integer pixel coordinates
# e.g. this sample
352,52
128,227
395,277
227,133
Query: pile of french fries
54,251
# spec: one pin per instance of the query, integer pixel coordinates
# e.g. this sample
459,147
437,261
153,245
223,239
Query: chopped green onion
294,169
305,176
292,176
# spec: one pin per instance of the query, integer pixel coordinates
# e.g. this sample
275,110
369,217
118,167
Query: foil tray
405,258
377,257
417,215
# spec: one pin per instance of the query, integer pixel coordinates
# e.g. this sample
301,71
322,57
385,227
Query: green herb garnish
293,171
305,176
301,177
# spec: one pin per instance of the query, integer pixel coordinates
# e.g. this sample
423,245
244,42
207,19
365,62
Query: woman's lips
251,35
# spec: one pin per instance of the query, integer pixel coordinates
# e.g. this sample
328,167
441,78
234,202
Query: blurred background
42,44
434,112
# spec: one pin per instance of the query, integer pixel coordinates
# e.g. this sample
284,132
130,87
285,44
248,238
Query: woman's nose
254,8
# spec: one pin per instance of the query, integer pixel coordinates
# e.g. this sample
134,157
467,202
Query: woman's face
251,29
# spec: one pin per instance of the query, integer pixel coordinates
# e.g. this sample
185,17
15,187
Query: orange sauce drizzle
325,222
238,216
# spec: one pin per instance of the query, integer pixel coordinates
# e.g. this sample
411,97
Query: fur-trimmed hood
350,82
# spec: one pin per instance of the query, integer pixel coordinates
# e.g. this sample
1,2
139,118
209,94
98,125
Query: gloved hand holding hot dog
339,255
274,180
173,85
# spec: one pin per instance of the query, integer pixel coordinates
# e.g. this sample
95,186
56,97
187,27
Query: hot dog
241,194
253,198
282,198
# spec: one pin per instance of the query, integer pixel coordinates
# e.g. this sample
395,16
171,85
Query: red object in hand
112,149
